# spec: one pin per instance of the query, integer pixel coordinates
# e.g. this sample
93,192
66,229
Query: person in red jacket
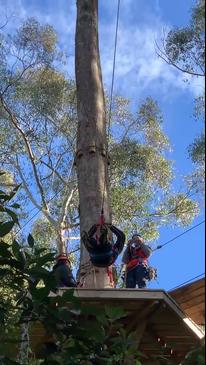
135,258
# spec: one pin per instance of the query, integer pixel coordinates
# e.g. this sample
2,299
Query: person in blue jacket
63,273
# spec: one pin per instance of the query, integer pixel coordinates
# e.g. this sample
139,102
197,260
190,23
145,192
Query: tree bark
91,156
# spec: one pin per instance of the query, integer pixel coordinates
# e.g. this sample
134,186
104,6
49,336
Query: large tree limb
14,121
65,206
34,201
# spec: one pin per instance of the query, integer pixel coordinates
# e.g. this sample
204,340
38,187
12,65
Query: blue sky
140,73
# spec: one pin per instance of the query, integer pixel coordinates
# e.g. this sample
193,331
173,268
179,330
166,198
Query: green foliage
44,233
54,89
76,333
6,179
179,206
79,333
196,357
38,145
38,105
141,175
185,47
197,150
199,111
35,38
197,154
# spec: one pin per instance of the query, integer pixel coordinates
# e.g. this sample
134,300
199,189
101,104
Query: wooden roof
166,327
191,299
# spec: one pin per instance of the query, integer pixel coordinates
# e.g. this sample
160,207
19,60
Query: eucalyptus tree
139,169
37,120
184,49
38,135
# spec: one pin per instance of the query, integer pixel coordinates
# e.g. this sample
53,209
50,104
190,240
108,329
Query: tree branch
172,211
29,150
4,24
26,188
163,55
33,200
17,79
54,171
59,128
65,205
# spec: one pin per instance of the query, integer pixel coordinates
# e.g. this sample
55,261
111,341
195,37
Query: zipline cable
187,282
111,93
180,235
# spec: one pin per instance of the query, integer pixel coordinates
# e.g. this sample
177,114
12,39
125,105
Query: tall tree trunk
91,157
23,355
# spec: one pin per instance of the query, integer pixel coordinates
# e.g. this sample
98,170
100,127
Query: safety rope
88,269
111,96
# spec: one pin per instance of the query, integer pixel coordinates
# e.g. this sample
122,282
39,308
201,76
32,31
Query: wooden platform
165,327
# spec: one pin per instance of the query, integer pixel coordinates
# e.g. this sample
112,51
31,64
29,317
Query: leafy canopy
38,128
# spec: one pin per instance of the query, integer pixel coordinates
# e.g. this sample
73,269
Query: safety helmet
62,257
137,235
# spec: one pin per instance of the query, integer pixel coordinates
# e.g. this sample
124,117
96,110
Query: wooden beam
142,315
139,324
123,294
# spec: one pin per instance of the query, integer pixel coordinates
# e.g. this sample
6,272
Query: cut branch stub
92,149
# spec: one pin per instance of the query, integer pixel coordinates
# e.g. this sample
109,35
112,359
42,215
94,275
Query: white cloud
138,68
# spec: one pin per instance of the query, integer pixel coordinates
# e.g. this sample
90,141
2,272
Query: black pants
136,276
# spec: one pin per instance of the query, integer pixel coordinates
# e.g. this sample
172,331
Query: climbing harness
87,269
101,247
110,275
